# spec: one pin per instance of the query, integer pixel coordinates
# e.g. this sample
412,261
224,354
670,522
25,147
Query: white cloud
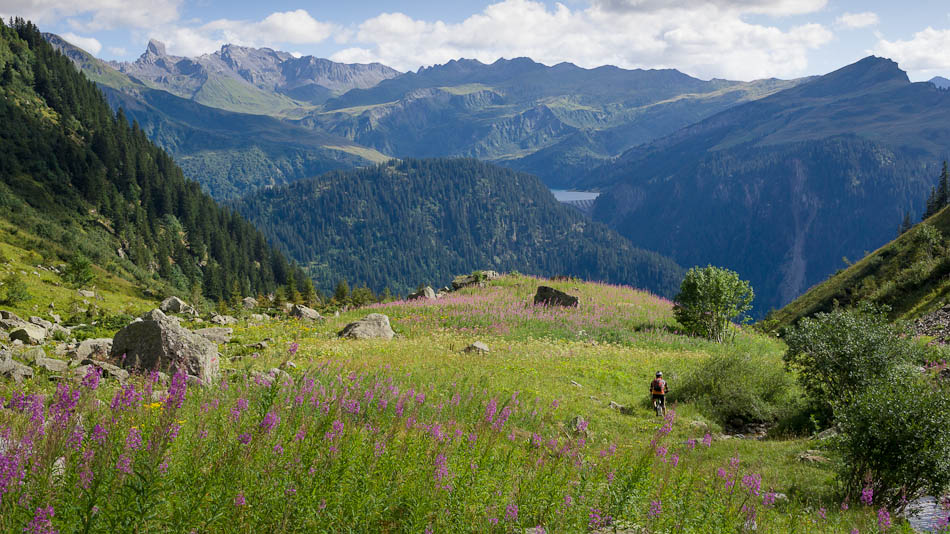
925,53
293,27
767,7
118,51
701,38
857,20
92,15
89,44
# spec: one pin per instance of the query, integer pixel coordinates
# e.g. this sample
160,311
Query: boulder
465,280
39,321
374,325
10,316
425,293
108,370
625,410
258,318
223,320
51,364
86,293
812,457
176,305
158,343
12,369
96,349
549,296
249,303
478,347
217,334
303,312
29,334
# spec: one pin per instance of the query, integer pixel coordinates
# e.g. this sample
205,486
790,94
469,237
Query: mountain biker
659,388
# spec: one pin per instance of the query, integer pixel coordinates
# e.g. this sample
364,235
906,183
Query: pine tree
906,224
342,291
943,190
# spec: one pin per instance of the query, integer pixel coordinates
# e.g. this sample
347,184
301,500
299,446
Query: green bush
838,354
739,385
79,270
709,298
895,439
15,290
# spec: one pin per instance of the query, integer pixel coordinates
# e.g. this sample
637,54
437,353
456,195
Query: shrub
738,385
709,298
895,439
79,270
838,354
15,289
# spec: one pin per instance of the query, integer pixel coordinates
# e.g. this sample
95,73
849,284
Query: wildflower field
415,435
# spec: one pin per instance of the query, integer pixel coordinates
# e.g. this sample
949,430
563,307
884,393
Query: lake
563,195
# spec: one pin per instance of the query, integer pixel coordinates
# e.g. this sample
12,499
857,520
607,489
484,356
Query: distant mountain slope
228,153
940,82
84,180
251,80
410,222
556,122
781,188
909,274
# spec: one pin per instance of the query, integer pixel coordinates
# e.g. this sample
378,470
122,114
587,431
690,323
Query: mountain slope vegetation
780,189
85,181
412,222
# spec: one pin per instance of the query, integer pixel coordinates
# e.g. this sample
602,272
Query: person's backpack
658,387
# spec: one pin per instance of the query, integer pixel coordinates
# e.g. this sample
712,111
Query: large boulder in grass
373,326
302,312
161,344
12,369
216,334
249,303
176,305
425,293
95,348
29,334
549,296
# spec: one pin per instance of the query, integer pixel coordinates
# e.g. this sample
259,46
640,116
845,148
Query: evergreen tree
943,190
906,224
342,291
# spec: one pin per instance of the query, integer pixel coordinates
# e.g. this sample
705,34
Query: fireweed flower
490,410
124,464
511,512
42,522
244,438
769,499
177,389
883,518
753,483
239,499
269,422
292,349
64,404
867,496
99,434
91,380
822,513
133,441
707,439
126,398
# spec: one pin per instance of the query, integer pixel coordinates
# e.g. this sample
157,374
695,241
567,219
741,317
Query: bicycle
659,406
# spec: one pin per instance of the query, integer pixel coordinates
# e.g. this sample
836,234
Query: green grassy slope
908,274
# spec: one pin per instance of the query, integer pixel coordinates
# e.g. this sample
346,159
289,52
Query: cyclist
659,389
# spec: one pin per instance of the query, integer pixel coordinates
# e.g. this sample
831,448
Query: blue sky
735,39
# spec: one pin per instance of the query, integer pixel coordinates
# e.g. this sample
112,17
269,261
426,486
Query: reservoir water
563,195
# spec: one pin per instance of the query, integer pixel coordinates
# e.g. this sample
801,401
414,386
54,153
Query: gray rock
30,334
578,425
625,410
374,325
303,312
249,303
260,345
258,318
217,334
425,293
31,354
176,305
97,349
108,370
288,365
478,347
52,365
86,293
56,318
223,319
549,296
466,280
12,369
39,321
10,316
157,343
812,457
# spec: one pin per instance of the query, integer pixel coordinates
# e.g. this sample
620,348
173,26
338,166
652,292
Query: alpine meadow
509,267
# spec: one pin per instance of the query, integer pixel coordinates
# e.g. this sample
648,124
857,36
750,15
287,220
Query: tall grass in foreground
340,451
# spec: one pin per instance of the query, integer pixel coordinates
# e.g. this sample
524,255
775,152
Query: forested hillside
414,222
783,188
87,182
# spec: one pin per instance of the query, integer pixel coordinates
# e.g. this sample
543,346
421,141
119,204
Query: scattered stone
158,343
260,345
216,334
39,321
52,365
31,355
29,334
373,326
249,303
699,426
259,318
270,376
812,457
578,425
465,280
549,296
478,347
10,316
575,384
425,293
96,349
56,318
288,365
12,369
86,293
223,319
625,410
176,305
303,312
826,433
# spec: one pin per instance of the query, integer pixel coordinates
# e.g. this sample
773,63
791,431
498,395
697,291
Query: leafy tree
709,299
15,289
838,354
78,270
895,439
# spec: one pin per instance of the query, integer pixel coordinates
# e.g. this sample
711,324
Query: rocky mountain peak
155,48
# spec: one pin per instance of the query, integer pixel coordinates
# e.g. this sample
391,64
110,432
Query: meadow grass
415,435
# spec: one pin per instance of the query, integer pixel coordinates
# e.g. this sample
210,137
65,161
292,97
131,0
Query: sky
733,39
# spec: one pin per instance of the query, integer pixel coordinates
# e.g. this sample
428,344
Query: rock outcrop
249,303
12,369
477,347
425,293
216,334
373,326
158,343
476,277
549,296
302,312
96,349
176,305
